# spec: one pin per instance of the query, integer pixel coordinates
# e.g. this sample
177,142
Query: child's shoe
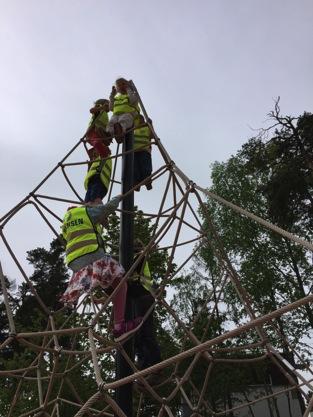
118,133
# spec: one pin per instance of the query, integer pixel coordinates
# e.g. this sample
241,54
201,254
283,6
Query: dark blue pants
95,189
147,348
142,166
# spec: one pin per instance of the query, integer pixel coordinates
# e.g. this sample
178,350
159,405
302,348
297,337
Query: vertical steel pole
124,397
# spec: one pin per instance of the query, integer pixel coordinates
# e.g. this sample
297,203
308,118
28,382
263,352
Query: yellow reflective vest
81,235
102,167
142,138
146,279
101,120
144,276
121,105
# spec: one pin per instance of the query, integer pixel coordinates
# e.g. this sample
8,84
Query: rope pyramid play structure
177,226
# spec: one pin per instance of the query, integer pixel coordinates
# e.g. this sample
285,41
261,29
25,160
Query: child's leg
145,166
126,120
96,141
122,328
119,302
107,272
150,350
146,344
112,122
137,176
102,149
96,190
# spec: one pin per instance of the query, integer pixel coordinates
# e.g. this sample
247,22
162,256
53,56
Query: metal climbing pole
124,397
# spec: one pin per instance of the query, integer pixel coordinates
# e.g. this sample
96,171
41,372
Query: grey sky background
206,70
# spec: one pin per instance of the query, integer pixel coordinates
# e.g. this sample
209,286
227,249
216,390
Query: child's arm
112,95
101,211
133,98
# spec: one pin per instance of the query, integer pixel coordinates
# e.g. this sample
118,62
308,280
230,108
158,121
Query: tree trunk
299,281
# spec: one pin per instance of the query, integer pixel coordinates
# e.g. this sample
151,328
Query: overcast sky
207,71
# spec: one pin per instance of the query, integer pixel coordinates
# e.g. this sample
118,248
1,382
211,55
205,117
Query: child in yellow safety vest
96,133
98,177
124,104
142,154
91,266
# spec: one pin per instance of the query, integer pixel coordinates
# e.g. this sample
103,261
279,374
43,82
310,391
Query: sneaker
127,328
149,186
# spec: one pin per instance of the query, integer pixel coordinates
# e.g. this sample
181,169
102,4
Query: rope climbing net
176,217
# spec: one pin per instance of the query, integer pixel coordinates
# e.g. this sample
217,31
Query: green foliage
49,280
286,162
273,179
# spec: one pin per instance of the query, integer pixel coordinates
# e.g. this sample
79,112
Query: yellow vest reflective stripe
81,235
145,277
102,167
142,138
121,105
99,121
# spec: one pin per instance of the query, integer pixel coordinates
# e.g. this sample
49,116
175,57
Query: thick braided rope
200,347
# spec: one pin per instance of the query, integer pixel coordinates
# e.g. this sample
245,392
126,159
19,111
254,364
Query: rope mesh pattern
175,216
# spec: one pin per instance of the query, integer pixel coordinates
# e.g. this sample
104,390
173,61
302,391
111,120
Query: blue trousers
95,189
142,166
147,347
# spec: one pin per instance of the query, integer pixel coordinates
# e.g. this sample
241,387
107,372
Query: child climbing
96,133
140,289
142,154
98,177
91,266
124,104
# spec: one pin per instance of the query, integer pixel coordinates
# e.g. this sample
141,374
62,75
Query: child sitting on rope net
91,266
124,104
96,133
98,177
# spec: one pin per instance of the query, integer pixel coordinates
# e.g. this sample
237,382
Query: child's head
138,245
102,105
121,85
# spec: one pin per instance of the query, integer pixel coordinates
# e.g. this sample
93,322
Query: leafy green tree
271,176
285,160
6,354
273,179
203,310
49,280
